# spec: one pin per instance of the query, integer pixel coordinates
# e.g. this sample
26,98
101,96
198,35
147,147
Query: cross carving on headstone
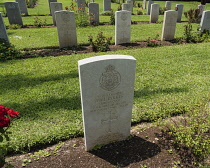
109,120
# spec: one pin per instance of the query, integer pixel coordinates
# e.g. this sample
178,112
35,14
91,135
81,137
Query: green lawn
169,80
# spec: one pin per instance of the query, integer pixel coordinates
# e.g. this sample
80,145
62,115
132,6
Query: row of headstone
13,13
3,32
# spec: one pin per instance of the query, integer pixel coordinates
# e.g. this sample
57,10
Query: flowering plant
6,115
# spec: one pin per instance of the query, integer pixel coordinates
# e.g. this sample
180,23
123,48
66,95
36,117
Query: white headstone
23,7
81,5
3,32
66,26
55,6
180,10
144,6
154,13
127,6
49,1
201,9
149,6
94,12
205,21
122,27
169,25
107,90
13,13
168,5
107,5
131,3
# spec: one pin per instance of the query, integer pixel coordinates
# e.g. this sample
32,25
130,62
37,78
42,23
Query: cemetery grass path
147,147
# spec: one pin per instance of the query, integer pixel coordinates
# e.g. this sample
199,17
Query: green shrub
154,42
140,11
112,18
39,22
162,10
101,43
14,26
8,51
192,15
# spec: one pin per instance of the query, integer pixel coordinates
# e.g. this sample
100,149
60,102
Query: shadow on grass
34,109
15,82
147,92
129,151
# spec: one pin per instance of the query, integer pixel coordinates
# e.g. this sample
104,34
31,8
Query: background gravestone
201,9
94,12
122,27
13,13
55,6
127,6
49,1
154,13
107,90
144,6
66,27
149,6
168,5
169,25
3,32
180,10
130,2
205,20
107,5
81,5
23,7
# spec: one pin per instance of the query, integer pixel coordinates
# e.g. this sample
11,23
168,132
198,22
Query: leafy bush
162,10
192,15
153,42
101,43
8,51
112,18
39,22
14,26
139,11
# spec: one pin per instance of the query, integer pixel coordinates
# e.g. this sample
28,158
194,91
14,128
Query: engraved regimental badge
110,79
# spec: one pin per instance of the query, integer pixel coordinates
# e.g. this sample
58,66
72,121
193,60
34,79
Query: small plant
140,11
119,8
188,34
101,43
14,26
162,10
6,116
39,22
82,18
8,51
193,15
154,42
112,18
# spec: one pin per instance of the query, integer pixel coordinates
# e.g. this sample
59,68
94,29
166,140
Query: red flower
66,7
13,113
4,122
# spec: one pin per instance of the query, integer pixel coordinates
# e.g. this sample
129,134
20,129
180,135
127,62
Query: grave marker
81,5
13,13
107,90
66,27
127,6
107,5
168,5
3,32
23,7
169,25
49,1
201,9
180,10
122,27
55,6
154,13
205,20
149,6
94,12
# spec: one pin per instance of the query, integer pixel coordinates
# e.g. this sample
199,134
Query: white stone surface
149,6
154,13
66,27
107,5
107,90
49,1
94,12
144,6
3,32
55,6
122,27
168,5
201,8
23,7
127,6
169,25
205,21
180,11
13,13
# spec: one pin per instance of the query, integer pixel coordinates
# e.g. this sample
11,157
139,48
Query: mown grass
169,81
